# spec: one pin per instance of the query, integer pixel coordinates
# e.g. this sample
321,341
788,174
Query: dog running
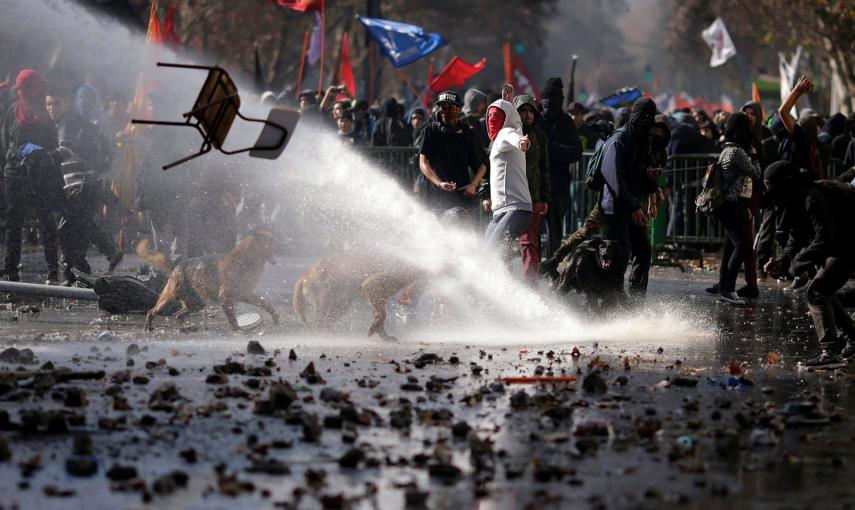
327,290
225,279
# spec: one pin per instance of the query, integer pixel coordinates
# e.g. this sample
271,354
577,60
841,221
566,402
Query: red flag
153,34
455,74
170,38
520,78
345,71
302,5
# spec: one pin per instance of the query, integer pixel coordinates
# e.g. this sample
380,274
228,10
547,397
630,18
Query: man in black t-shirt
450,149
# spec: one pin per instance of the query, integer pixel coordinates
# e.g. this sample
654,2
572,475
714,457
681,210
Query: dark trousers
636,250
733,216
20,200
80,229
558,203
765,243
826,310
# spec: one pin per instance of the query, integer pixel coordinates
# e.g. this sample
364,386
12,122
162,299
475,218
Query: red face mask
495,121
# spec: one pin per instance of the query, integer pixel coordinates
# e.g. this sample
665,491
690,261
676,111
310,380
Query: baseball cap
449,96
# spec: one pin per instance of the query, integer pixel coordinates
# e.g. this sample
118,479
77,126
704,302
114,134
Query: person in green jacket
537,173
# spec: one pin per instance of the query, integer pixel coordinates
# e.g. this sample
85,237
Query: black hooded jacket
391,130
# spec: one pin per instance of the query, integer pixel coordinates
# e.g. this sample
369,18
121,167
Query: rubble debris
255,347
12,355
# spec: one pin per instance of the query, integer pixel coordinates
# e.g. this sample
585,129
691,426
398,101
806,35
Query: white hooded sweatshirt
508,182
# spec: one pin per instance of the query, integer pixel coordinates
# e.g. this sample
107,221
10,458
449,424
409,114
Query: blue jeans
505,228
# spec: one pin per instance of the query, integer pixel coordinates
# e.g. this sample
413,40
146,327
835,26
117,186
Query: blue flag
402,43
623,97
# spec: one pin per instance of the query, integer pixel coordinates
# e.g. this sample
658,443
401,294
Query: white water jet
346,198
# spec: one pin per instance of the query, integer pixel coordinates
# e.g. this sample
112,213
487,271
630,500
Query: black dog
593,269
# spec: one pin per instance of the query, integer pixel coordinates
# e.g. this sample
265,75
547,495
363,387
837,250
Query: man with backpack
628,180
30,156
660,135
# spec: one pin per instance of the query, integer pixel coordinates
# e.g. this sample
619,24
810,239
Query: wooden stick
302,65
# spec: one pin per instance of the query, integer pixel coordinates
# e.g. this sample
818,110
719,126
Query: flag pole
302,64
371,73
323,45
506,54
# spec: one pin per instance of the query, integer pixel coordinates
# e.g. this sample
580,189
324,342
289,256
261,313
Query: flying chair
214,111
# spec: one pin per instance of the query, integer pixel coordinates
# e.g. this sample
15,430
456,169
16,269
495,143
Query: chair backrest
216,120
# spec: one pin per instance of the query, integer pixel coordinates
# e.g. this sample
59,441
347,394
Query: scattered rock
255,347
425,359
269,467
593,383
119,473
189,455
169,483
75,397
445,472
460,429
107,336
81,466
311,375
519,400
132,349
19,357
292,355
684,382
217,379
351,458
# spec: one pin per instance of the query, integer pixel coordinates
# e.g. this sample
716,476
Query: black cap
449,96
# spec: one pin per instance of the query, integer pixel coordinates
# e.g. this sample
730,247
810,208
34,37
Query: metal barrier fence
679,223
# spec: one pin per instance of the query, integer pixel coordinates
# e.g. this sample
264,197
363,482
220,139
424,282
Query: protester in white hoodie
509,195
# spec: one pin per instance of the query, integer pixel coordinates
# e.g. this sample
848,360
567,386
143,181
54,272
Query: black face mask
551,106
658,143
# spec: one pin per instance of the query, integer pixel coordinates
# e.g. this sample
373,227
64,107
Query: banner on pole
718,39
402,43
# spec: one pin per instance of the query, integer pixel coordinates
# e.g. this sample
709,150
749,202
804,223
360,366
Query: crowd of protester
501,159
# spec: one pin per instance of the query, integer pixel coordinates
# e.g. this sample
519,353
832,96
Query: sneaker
730,298
749,291
799,284
848,351
115,260
52,278
712,290
7,276
823,361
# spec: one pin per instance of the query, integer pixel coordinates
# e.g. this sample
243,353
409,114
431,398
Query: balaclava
30,104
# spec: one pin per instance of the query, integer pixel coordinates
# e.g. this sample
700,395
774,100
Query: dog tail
153,258
299,301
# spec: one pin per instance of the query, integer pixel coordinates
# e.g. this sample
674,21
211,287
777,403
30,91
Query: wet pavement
101,415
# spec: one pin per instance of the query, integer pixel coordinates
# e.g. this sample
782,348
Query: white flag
719,41
788,72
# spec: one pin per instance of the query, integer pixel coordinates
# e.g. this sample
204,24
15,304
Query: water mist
340,195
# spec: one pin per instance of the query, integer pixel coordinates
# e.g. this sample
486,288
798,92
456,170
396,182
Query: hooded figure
564,148
817,216
86,102
508,182
390,130
472,100
833,127
840,142
509,194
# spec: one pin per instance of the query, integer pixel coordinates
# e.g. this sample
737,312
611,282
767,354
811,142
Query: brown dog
327,290
226,279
